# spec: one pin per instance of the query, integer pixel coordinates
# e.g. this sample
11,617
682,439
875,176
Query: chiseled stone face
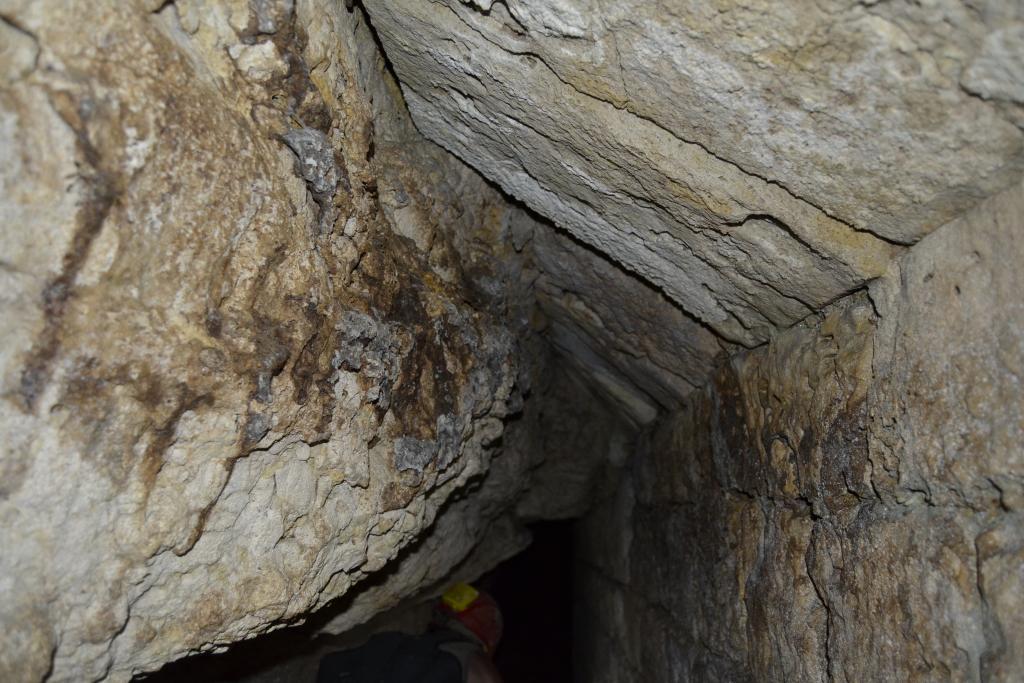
752,160
843,503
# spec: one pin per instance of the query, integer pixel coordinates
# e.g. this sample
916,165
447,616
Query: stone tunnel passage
312,307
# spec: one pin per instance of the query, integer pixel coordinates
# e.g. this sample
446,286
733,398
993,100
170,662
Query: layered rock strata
753,161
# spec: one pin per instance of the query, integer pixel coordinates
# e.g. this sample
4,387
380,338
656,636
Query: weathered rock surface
842,504
257,332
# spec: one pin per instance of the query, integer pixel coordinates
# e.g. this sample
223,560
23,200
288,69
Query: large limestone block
948,408
239,367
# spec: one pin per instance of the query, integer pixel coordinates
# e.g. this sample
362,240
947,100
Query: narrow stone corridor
692,332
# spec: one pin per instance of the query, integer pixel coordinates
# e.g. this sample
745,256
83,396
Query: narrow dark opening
534,591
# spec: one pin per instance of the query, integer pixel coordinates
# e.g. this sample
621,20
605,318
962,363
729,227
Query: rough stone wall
257,331
843,503
266,350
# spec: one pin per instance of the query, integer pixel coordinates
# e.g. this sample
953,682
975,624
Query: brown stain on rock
844,474
395,496
183,400
101,192
427,384
311,370
96,398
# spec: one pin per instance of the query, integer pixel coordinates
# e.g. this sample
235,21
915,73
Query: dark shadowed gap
534,590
